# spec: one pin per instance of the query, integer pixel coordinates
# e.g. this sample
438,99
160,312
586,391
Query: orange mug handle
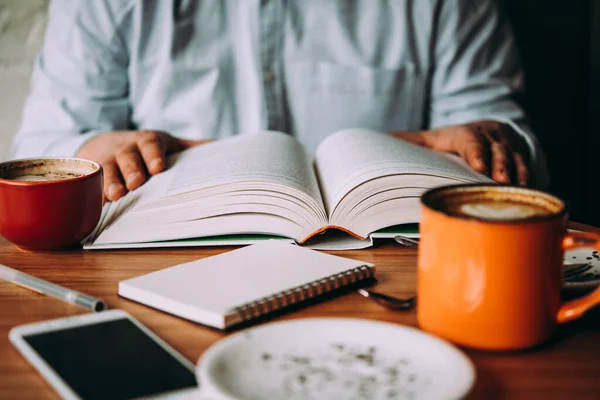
576,308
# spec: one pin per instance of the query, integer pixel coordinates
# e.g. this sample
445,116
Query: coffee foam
499,211
49,176
38,170
494,203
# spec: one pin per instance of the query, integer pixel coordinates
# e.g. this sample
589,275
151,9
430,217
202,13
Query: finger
413,137
132,169
186,144
152,149
501,163
522,171
475,149
113,182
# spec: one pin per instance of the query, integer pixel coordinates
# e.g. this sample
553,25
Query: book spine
326,227
299,294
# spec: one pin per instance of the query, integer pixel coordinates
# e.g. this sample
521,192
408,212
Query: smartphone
106,355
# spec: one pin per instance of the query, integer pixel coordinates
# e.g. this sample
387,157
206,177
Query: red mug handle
576,308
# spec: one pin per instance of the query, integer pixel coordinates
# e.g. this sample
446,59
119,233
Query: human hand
490,147
130,157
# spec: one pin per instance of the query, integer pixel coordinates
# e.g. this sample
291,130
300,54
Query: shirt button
268,77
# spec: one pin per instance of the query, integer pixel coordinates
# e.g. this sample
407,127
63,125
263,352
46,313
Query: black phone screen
111,360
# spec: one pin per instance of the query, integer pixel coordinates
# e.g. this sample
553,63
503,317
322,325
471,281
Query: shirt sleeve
478,74
79,85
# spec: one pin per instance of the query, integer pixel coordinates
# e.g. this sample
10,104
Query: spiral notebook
244,284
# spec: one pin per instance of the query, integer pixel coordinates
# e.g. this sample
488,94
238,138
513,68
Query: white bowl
334,358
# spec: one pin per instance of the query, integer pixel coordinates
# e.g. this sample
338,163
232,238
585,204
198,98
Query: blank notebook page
207,290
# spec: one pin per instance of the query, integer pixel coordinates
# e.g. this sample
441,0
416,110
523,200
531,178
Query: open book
235,190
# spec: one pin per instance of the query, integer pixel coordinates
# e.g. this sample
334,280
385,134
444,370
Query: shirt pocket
339,96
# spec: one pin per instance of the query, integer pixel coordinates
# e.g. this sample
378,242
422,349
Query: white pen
51,289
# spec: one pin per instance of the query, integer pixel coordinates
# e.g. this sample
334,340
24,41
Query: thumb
174,144
186,144
413,137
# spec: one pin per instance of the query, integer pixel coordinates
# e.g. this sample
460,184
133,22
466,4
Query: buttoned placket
271,22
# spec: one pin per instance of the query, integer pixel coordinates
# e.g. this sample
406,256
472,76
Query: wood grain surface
567,367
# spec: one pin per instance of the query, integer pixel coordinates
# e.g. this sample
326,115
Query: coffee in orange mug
491,264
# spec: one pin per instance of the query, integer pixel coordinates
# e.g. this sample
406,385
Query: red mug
49,203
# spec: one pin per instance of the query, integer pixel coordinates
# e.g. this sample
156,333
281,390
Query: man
124,82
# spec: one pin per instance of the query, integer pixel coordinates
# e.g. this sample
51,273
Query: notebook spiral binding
280,300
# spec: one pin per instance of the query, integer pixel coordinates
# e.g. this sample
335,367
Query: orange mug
490,266
49,203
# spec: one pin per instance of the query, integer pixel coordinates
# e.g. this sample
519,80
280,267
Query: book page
273,156
351,157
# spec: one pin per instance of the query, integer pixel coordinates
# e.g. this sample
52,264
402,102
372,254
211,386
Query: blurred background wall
22,24
560,48
559,43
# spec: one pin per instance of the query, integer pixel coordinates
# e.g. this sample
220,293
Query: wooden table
568,367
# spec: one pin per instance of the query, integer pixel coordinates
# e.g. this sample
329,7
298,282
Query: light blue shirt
216,68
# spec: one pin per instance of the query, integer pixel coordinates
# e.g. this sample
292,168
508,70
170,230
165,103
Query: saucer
588,279
334,358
